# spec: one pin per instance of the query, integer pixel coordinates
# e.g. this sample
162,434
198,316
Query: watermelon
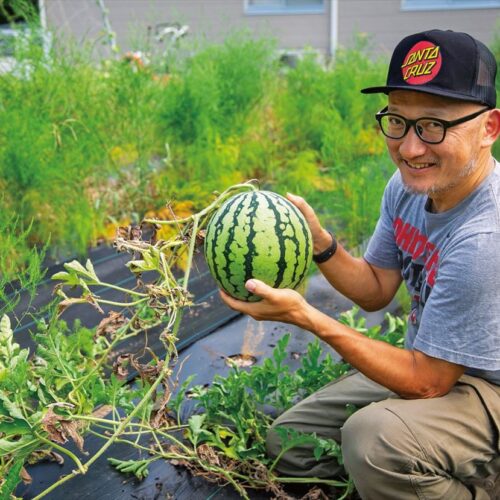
259,235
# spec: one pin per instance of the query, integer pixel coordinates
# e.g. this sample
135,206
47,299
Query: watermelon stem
251,185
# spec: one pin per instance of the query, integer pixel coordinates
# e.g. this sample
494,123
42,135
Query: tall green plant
21,267
68,130
212,92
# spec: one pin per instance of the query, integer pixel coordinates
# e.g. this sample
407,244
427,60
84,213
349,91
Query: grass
86,143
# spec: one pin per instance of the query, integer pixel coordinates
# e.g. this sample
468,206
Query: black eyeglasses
430,130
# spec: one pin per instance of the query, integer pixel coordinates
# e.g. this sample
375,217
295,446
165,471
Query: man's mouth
418,166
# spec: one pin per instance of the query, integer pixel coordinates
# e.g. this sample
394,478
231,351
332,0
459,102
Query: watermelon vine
67,388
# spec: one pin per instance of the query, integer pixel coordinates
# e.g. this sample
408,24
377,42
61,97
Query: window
448,4
285,6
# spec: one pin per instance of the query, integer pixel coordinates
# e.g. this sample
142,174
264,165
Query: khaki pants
394,448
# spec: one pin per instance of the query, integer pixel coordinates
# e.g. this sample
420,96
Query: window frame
424,5
261,10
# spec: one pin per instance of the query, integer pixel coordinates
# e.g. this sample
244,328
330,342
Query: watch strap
328,253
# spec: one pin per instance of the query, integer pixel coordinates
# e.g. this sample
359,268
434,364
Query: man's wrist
328,250
322,242
307,319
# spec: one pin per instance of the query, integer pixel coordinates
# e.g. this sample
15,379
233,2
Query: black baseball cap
446,63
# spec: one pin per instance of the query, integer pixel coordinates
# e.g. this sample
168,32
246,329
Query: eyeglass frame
412,123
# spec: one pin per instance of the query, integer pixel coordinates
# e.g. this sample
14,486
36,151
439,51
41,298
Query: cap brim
427,90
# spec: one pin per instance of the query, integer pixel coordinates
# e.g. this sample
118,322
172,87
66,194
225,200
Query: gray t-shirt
450,262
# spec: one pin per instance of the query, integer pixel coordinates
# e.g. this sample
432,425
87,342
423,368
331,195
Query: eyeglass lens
428,130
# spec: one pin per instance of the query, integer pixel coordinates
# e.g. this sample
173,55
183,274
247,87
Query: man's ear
491,128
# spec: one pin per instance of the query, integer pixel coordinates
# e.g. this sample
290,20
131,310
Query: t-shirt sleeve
382,250
460,322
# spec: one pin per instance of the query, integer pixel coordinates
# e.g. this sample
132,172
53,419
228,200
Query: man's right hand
322,239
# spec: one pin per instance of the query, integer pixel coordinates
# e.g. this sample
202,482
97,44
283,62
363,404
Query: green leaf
196,432
12,479
196,424
137,467
350,409
76,274
68,278
87,272
13,427
150,262
279,352
11,407
8,446
290,438
327,447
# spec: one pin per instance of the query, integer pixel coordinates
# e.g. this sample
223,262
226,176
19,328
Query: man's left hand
284,305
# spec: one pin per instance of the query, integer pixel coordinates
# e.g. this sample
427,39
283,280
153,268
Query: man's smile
419,165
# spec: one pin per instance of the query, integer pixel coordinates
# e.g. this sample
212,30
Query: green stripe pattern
259,235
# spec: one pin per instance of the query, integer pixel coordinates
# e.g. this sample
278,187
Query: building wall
384,21
387,23
132,20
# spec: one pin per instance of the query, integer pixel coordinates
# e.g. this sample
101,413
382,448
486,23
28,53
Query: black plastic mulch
210,333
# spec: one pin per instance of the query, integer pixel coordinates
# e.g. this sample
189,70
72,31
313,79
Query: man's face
441,171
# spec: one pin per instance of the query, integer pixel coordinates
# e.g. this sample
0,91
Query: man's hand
284,305
321,237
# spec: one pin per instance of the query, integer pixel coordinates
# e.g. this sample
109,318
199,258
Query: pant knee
375,439
273,443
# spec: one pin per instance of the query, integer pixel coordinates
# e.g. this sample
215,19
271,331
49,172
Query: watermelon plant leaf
179,399
195,432
12,479
8,446
139,468
13,426
11,407
77,274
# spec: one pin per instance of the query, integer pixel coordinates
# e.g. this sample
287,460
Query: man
429,415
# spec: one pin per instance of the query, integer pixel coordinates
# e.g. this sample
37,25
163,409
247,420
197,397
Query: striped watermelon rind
260,235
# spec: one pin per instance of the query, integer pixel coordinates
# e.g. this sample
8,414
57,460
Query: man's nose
411,145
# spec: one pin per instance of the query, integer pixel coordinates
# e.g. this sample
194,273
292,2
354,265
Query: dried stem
168,295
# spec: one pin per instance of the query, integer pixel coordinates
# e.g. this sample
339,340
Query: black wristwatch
328,253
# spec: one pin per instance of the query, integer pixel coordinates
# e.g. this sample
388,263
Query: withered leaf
160,416
315,493
49,424
120,366
39,455
110,324
56,457
129,232
135,232
70,428
92,301
122,232
208,454
25,477
148,372
59,429
200,237
64,304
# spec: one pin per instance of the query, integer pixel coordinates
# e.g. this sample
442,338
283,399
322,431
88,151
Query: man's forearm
354,278
409,374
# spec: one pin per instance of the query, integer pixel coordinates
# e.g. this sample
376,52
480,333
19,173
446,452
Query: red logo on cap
422,63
